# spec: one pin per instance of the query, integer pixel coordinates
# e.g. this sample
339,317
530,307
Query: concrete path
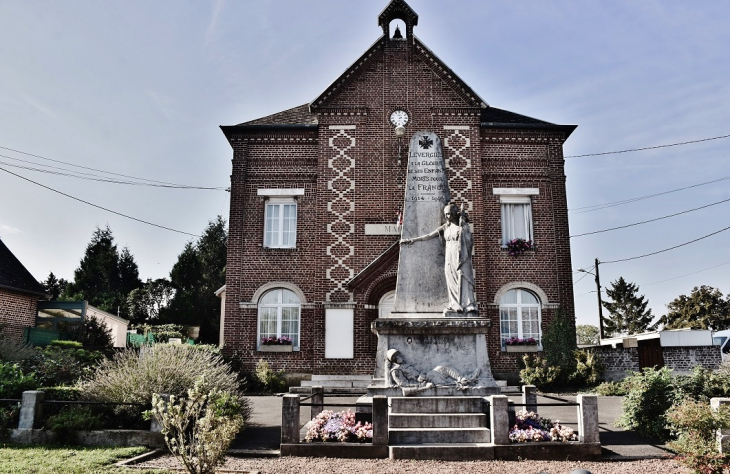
263,434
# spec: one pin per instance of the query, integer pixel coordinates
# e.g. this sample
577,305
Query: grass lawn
67,460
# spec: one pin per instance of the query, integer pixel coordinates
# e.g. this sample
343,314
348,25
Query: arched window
385,306
519,315
279,311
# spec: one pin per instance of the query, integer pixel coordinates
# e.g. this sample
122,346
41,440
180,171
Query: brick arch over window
525,286
278,284
380,286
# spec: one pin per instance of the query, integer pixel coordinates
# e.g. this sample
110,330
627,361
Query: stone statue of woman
457,267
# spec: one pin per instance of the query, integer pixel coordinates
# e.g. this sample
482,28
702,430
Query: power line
168,184
597,207
670,248
687,274
101,179
586,274
649,147
99,207
651,220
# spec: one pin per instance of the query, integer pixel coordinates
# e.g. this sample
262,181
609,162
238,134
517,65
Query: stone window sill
522,349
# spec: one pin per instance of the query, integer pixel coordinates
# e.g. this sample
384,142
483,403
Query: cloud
210,30
7,230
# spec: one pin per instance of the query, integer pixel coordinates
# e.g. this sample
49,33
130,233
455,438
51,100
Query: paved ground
263,434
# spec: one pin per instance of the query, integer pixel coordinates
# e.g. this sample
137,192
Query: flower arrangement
276,341
530,427
516,247
331,426
516,341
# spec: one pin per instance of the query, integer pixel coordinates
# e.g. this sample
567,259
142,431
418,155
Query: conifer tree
627,311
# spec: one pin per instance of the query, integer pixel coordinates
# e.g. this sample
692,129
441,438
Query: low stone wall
124,438
618,362
683,359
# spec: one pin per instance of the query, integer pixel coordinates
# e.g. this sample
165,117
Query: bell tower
398,10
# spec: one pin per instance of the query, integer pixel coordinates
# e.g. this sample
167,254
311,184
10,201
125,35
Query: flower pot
276,348
522,348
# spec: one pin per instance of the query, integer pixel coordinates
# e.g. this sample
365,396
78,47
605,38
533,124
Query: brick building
315,196
19,294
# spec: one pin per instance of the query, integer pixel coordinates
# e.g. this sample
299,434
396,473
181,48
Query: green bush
588,369
163,332
695,425
74,418
539,373
608,389
133,377
13,382
93,333
9,416
702,384
559,343
650,394
14,350
267,379
55,365
66,344
200,427
66,394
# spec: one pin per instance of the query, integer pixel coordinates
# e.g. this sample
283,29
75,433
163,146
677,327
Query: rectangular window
516,218
280,229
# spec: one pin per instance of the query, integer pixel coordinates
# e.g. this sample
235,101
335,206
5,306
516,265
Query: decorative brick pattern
458,164
341,206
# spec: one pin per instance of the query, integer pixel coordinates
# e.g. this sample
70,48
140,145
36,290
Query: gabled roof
295,116
397,9
492,117
14,276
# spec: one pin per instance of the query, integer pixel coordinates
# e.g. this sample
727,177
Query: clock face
399,118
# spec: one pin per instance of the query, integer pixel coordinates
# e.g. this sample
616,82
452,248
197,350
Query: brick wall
17,312
618,362
683,359
348,167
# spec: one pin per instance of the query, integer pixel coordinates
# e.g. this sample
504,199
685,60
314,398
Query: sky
139,88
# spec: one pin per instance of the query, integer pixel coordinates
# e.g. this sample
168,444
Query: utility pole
600,304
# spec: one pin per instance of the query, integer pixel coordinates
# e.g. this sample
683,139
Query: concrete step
433,420
329,383
444,452
366,378
436,405
354,391
436,435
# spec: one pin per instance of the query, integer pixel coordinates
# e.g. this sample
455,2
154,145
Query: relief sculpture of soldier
458,267
411,381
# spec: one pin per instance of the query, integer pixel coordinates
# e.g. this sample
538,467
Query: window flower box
522,348
276,348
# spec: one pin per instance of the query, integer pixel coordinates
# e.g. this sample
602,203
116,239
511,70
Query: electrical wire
99,207
649,147
667,249
597,207
168,184
579,279
651,220
687,274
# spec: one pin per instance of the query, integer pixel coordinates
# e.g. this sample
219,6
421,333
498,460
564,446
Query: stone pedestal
429,343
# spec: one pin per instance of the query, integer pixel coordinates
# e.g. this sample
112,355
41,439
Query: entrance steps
339,384
446,428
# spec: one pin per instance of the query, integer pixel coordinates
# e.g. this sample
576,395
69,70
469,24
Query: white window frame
278,198
508,198
519,307
279,310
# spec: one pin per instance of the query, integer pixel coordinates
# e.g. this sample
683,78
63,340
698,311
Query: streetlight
600,305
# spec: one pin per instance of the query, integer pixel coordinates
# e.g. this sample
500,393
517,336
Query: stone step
366,378
444,452
434,420
438,435
436,405
329,383
354,391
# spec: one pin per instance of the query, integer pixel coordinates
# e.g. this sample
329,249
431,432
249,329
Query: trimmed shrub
200,427
539,373
74,418
645,405
559,342
267,379
695,425
133,377
609,389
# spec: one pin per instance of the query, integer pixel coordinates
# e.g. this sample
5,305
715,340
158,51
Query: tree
705,308
147,302
199,271
627,311
54,287
104,278
558,340
587,334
